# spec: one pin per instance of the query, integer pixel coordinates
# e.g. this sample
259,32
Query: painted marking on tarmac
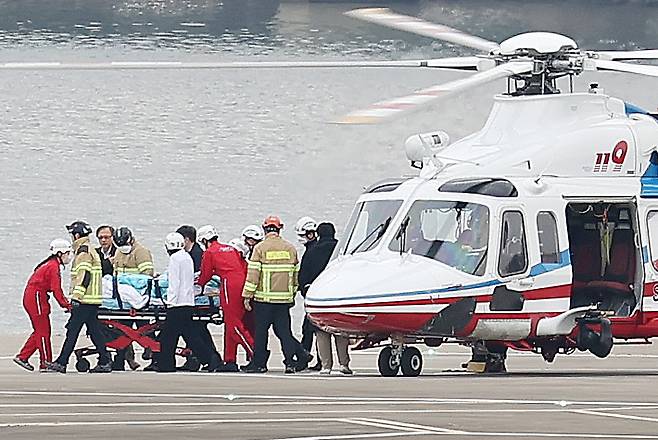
379,424
616,416
322,400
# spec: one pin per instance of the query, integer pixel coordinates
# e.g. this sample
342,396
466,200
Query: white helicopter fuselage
514,233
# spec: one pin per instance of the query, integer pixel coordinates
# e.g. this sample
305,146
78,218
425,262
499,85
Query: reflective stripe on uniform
250,287
277,255
254,265
145,266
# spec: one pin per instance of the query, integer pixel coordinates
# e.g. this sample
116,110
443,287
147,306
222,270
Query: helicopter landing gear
394,358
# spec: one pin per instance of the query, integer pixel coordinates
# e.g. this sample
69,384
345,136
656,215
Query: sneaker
23,364
346,370
133,364
251,368
229,367
102,368
325,371
54,367
291,369
316,367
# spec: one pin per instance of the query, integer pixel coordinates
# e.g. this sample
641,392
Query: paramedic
45,278
180,305
131,258
306,230
252,235
271,284
85,299
226,262
194,249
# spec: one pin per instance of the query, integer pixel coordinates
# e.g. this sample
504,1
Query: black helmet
122,236
79,227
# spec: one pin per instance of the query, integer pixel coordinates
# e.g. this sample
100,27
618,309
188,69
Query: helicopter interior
605,261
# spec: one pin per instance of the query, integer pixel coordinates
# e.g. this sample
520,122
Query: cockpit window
454,233
367,225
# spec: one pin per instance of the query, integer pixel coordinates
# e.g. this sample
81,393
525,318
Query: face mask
125,249
302,239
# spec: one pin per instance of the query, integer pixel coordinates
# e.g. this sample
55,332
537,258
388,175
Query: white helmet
60,245
241,246
253,231
174,241
304,225
207,232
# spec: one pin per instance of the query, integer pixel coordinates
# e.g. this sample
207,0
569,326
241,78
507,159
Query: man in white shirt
180,305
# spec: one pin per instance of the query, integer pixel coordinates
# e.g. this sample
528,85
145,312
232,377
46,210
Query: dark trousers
202,331
87,315
308,331
278,316
179,323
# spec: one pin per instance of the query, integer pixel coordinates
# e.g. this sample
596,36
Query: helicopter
538,232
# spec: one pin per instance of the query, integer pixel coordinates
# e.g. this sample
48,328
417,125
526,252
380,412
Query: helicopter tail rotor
389,109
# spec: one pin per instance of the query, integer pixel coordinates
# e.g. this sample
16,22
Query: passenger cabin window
549,248
513,258
652,226
453,233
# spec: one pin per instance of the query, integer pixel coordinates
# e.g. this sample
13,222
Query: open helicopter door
649,217
606,255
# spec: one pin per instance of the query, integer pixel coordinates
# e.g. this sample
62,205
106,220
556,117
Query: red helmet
273,220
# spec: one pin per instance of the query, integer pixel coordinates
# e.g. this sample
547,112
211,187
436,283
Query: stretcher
122,324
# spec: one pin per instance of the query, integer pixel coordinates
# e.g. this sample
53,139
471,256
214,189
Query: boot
102,368
229,367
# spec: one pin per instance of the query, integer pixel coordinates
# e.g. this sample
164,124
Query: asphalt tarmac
578,396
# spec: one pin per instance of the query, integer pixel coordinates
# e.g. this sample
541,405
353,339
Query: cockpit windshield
454,233
367,225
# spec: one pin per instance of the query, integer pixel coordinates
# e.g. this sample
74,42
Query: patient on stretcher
138,292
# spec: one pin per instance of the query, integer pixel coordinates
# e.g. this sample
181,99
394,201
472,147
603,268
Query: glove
247,304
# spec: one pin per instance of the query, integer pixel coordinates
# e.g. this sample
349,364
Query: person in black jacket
315,260
107,249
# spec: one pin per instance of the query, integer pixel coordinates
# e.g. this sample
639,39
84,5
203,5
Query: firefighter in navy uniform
271,284
85,299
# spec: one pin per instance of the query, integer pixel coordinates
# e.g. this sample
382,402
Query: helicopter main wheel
411,362
388,362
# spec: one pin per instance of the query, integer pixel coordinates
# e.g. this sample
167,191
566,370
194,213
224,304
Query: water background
156,149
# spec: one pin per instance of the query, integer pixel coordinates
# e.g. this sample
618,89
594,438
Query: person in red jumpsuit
45,278
226,262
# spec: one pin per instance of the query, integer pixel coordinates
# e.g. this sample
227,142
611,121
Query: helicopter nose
363,296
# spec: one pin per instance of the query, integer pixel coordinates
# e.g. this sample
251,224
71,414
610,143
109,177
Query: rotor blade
386,17
385,110
618,66
620,55
459,63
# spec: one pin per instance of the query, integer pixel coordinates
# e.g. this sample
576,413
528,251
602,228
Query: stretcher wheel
82,365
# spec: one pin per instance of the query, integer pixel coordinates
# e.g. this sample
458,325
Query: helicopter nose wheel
392,359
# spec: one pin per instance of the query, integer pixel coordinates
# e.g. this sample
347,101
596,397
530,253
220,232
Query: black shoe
290,369
151,367
303,361
215,363
251,368
23,364
229,367
55,367
102,368
316,367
